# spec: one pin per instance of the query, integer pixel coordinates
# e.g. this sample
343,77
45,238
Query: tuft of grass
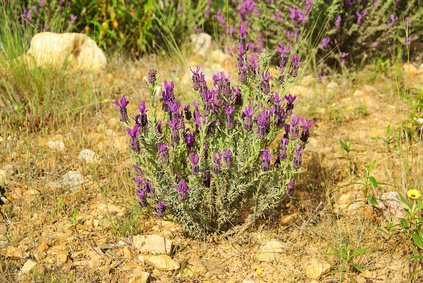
33,96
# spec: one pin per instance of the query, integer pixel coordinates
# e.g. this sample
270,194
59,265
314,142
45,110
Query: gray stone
73,180
154,244
28,266
270,250
201,43
88,156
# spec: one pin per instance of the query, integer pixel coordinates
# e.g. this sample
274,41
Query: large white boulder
75,50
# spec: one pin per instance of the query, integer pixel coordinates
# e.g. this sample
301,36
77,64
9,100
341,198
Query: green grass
34,96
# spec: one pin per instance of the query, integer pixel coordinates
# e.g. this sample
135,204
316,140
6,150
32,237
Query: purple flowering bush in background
228,157
327,29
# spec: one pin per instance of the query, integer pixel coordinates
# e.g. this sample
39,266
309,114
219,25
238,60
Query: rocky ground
70,214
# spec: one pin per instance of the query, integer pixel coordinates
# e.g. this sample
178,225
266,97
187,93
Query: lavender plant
224,160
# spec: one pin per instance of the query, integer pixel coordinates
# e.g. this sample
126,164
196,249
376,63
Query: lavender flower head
294,129
152,76
338,22
282,154
143,117
290,103
263,123
187,111
237,96
196,81
142,196
284,51
189,140
265,158
265,84
123,111
174,125
247,116
161,208
306,125
220,17
216,162
325,42
227,156
298,156
243,31
168,95
360,17
134,134
344,55
295,65
194,158
182,189
163,151
72,18
229,111
290,187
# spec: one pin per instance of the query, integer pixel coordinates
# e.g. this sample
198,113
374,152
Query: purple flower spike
161,208
243,31
263,123
159,127
207,179
174,125
265,158
294,129
360,17
298,156
227,156
142,119
338,22
134,134
229,111
152,76
163,151
306,125
295,65
265,84
194,158
290,187
72,18
247,116
142,196
344,55
188,114
42,3
282,154
137,170
182,189
189,140
174,106
394,19
290,103
122,106
196,80
220,17
216,162
284,52
168,95
325,42
237,96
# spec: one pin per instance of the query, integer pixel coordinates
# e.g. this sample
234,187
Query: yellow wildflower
413,194
259,271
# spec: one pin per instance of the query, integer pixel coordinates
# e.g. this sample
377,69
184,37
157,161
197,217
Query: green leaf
345,146
405,223
372,200
357,267
417,239
358,252
415,257
374,182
